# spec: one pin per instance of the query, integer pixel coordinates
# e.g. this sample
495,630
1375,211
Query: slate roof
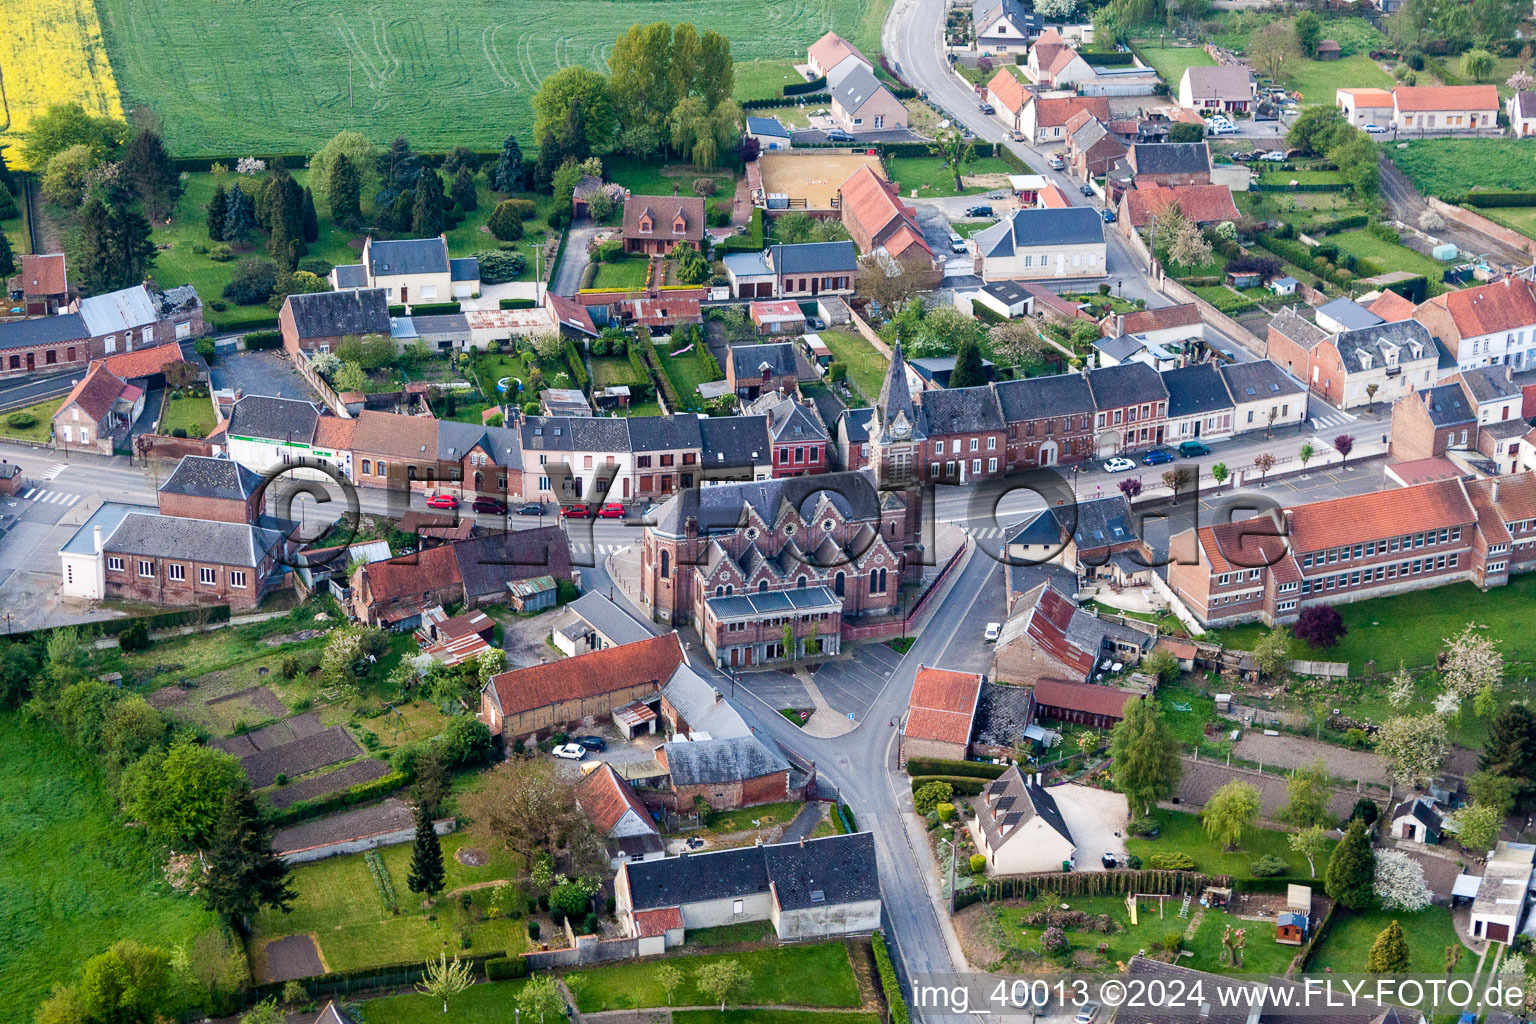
722,506
1065,394
1126,384
815,257
455,440
1376,341
608,618
1248,382
464,268
1170,157
664,433
983,12
856,424
1028,229
747,360
350,275
335,314
857,88
1446,405
766,126
408,256
1419,808
43,330
1120,349
487,563
1010,293
788,420
1489,384
199,476
1349,313
714,762
1013,800
1100,523
201,540
575,433
1041,528
774,602
962,410
841,868
1196,390
1002,713
734,441
1298,328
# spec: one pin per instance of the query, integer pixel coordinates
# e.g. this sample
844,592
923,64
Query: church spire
895,408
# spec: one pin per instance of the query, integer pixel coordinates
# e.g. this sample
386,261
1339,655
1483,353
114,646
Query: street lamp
953,853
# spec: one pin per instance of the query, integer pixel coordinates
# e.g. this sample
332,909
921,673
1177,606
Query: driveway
260,373
1096,818
809,135
574,263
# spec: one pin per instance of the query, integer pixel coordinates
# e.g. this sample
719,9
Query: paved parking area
851,686
1096,819
260,373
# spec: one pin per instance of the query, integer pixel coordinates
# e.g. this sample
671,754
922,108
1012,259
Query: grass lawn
723,822
72,879
764,79
41,427
1516,218
1225,299
1283,177
1388,256
931,178
687,372
866,366
1448,168
790,975
628,274
191,413
1182,833
1428,932
1188,726
15,230
649,178
729,934
1317,80
1170,61
340,905
772,1017
486,1003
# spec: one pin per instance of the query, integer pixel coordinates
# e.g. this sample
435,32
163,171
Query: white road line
54,470
29,492
73,498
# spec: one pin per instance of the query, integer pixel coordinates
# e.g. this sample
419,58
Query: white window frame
207,575
237,578
176,572
114,563
144,564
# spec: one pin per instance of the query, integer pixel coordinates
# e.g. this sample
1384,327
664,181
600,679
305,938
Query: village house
1003,26
812,889
1365,106
97,412
1265,396
1199,405
654,224
793,271
1490,324
1043,119
1170,164
1416,820
831,57
861,103
939,715
576,458
1007,94
1050,420
1445,108
1200,204
752,370
618,816
877,219
1042,245
1358,367
217,489
43,283
1521,108
1091,149
1499,908
395,451
410,270
1226,88
777,316
1047,637
1430,422
1131,404
318,321
727,774
266,433
800,439
1019,827
1165,325
96,327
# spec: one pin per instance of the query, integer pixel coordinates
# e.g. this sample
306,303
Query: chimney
802,842
96,539
1509,371
1494,497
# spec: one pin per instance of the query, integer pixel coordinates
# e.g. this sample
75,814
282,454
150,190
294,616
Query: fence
1090,883
1327,669
327,395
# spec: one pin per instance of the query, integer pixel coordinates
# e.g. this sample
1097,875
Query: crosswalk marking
43,496
601,549
1335,420
54,470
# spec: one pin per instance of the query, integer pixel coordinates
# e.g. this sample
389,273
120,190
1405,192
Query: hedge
434,308
752,241
1118,59
1487,199
1013,160
258,341
964,785
1415,289
889,984
396,310
986,314
505,968
655,371
320,806
554,264
779,101
800,88
578,368
1339,186
1089,883
846,819
944,766
518,304
1345,223
903,149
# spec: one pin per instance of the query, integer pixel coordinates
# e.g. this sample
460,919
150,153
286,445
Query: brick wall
219,509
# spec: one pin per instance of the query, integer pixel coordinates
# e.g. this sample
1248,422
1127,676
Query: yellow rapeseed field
51,52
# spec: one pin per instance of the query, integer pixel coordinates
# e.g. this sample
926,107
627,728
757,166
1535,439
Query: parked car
987,108
815,323
1108,215
1086,190
1088,1014
994,630
956,243
838,135
530,509
1191,449
978,211
447,501
1221,129
1110,861
575,512
1056,162
1119,464
593,743
1157,456
492,505
612,510
1274,156
1374,129
571,751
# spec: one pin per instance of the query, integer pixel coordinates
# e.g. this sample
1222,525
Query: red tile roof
1059,62
1053,198
1446,97
1007,90
44,275
942,705
1392,307
334,432
606,798
1185,314
1487,309
1374,98
1200,203
1243,544
831,50
395,435
1326,524
659,921
1516,500
143,362
95,393
407,577
1057,110
664,211
1095,700
588,675
871,201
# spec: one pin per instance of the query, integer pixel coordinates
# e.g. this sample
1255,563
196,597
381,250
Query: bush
135,637
942,766
978,863
1177,861
500,267
505,223
931,795
590,924
1143,827
258,340
705,186
221,253
254,282
945,811
21,420
1268,866
533,930
889,983
505,968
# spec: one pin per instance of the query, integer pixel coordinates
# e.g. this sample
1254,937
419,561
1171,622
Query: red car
576,512
447,501
612,510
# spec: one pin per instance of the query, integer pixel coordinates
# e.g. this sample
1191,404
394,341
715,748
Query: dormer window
1365,360
1417,348
679,226
647,223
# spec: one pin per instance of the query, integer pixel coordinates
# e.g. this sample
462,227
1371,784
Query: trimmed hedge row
801,88
1346,223
505,968
434,308
1487,199
518,304
1339,186
258,341
889,984
752,241
320,806
578,368
944,766
964,785
1118,59
780,101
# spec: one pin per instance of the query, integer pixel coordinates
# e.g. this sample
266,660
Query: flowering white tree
1402,694
1056,10
1429,220
250,165
1400,882
1472,662
1521,80
1448,704
1415,747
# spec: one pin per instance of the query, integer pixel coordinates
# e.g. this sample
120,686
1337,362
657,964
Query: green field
41,427
1388,256
1428,932
72,879
1183,833
486,1003
1449,168
192,413
932,178
765,79
233,77
1170,61
1516,218
784,976
686,372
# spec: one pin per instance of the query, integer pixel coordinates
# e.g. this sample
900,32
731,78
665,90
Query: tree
243,874
1310,842
443,979
1309,29
1220,473
1472,663
283,203
540,998
1272,652
1017,342
1399,882
1145,756
1056,10
240,218
345,191
7,257
178,793
1309,791
1161,664
1520,81
1176,480
463,193
1272,47
1131,488
1478,826
151,174
669,978
1344,444
128,984
1264,462
1315,130
1477,65
254,281
350,653
1415,747
398,166
508,175
574,101
67,124
1351,873
1510,750
1389,953
218,209
954,152
347,149
890,280
429,214
506,223
1321,626
722,979
309,220
968,371
1232,808
426,875
1305,454
65,177
930,794
1189,248
1181,132
526,806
